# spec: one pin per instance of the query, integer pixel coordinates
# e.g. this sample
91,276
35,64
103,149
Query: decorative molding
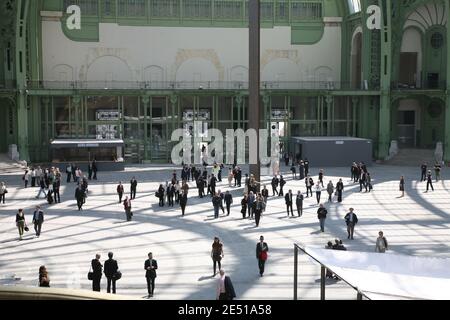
211,55
273,54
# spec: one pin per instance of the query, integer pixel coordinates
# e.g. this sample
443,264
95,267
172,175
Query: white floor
417,224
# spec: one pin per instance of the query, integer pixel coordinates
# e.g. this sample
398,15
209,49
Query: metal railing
192,85
323,268
441,85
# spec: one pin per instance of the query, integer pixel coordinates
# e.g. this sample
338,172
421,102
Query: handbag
263,256
117,275
90,274
26,229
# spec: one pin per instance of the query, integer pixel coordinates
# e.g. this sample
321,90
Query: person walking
318,190
56,187
120,191
97,268
250,200
258,209
265,194
94,169
362,181
183,202
21,223
437,171
42,188
288,198
216,201
306,164
339,190
38,220
74,172
429,181
170,194
201,187
351,219
44,279
69,173
216,254
368,182
212,184
127,207
274,184
294,172
228,201
33,177
402,186
381,243
3,192
79,196
160,195
321,177
111,273
225,289
244,203
301,170
423,170
330,191
150,266
262,250
309,184
133,186
299,203
26,177
322,215
282,183
90,171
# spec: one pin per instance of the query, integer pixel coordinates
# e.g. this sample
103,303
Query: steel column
323,272
295,272
254,78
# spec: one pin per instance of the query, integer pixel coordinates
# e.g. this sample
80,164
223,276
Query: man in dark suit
423,169
274,184
56,187
133,183
183,202
110,270
38,220
282,183
94,169
351,220
150,266
239,176
288,199
261,254
228,201
79,196
225,289
299,203
97,270
213,185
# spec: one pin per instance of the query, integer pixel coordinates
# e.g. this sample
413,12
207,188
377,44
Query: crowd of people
175,192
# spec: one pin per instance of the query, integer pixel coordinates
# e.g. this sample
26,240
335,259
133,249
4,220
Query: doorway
406,126
408,69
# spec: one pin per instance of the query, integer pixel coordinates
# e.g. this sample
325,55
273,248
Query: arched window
354,5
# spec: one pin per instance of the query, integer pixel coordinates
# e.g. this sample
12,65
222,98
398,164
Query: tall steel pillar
254,78
21,71
447,109
386,70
